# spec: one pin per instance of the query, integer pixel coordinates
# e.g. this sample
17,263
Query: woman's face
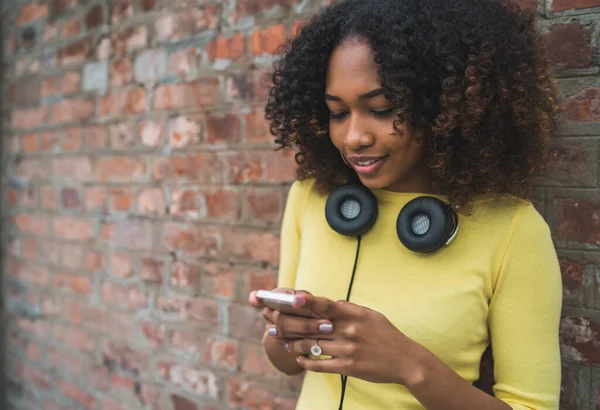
361,124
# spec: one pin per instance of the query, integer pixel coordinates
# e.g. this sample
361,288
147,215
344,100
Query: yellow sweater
499,281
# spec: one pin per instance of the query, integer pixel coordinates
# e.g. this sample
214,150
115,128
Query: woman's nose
358,135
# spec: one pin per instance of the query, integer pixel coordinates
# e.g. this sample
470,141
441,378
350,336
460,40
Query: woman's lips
367,166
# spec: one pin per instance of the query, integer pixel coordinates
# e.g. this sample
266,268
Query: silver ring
316,350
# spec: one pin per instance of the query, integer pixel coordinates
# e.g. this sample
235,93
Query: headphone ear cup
425,224
351,209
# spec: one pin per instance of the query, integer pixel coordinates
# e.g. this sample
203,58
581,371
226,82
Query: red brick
70,198
202,168
71,228
28,118
188,203
94,17
183,132
124,357
256,127
248,395
121,199
121,265
73,311
151,271
71,82
129,296
74,53
184,24
255,280
250,7
71,256
151,201
77,394
37,275
26,90
77,168
244,167
155,334
121,72
569,45
122,136
49,87
176,307
583,107
30,249
32,374
222,128
223,204
562,5
60,6
579,339
222,353
129,40
184,276
75,337
72,283
32,350
93,261
280,166
198,94
33,224
264,205
108,404
120,169
181,403
255,246
128,101
121,11
71,110
197,240
32,11
577,220
204,311
129,234
269,40
95,136
95,198
31,169
151,132
186,341
255,362
71,27
148,5
184,62
218,280
230,48
201,382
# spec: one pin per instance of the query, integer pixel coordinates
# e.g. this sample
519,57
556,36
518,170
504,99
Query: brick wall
142,200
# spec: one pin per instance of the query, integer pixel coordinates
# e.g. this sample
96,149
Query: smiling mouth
368,166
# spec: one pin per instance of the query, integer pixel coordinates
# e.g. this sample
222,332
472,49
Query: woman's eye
337,116
383,113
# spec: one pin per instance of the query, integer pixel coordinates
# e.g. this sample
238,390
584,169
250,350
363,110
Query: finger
320,306
295,326
253,300
335,365
328,347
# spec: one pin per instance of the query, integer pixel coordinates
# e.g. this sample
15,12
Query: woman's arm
438,387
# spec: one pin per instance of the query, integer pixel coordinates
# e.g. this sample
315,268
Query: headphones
424,225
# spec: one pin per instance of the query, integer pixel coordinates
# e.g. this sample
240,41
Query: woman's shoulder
509,211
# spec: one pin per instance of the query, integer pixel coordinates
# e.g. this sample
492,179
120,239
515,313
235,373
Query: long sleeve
524,317
291,233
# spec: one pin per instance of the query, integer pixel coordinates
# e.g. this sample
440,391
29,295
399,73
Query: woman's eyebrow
366,96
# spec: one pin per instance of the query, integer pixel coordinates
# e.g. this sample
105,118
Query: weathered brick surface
142,200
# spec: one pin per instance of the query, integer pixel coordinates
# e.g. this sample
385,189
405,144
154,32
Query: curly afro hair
472,73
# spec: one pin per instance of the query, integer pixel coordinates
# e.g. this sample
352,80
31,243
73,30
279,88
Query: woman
394,100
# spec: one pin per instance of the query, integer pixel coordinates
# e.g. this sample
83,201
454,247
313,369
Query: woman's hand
362,343
288,327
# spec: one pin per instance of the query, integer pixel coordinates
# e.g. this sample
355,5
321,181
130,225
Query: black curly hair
472,73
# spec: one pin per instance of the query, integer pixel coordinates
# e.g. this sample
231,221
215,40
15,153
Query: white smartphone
282,302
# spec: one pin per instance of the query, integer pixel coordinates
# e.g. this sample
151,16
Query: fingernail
298,359
286,346
326,327
272,331
298,301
